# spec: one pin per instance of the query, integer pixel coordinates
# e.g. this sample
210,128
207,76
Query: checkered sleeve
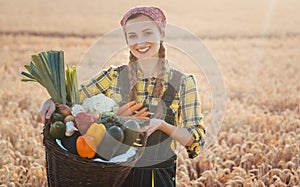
191,115
101,83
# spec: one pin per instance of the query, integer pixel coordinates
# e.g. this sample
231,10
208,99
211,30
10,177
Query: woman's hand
46,110
155,124
177,133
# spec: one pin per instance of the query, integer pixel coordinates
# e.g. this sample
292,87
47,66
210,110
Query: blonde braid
157,90
132,75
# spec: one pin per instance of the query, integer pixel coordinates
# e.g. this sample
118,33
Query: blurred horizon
231,18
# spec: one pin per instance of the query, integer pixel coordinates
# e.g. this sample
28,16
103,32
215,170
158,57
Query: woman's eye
148,33
132,36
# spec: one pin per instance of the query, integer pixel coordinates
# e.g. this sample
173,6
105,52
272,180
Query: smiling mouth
143,50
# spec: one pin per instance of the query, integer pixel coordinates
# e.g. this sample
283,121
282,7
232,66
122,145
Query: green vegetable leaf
48,69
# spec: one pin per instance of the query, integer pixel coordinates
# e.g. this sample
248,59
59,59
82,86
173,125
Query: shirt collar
140,74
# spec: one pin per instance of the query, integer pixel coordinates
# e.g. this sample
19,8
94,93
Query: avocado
57,117
57,130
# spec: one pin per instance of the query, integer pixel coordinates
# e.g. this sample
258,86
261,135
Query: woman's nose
140,43
141,40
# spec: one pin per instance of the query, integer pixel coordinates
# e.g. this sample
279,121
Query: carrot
130,110
146,114
125,107
136,118
136,107
142,118
140,112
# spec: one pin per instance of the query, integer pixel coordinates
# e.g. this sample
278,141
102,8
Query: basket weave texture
67,169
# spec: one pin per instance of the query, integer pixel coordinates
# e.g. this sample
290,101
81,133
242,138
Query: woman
169,95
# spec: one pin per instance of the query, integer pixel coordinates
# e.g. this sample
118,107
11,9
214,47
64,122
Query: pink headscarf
154,13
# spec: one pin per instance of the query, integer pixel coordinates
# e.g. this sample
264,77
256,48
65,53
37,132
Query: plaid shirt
186,104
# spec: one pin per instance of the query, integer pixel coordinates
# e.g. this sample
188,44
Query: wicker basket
67,169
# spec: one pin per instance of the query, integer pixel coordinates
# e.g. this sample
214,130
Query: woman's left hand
155,124
182,135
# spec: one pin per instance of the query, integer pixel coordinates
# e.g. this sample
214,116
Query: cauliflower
77,109
99,102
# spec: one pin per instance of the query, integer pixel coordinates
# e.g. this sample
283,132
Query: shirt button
173,178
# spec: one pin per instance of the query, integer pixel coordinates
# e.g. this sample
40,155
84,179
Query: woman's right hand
46,110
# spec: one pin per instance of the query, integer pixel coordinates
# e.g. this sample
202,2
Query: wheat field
256,44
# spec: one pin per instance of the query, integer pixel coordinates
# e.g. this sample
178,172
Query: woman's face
143,37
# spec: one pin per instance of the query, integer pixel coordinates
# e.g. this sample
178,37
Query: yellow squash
97,131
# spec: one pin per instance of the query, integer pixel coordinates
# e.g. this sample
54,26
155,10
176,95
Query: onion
83,121
63,109
69,118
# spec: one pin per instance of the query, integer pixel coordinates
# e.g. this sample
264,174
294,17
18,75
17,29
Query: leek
47,68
